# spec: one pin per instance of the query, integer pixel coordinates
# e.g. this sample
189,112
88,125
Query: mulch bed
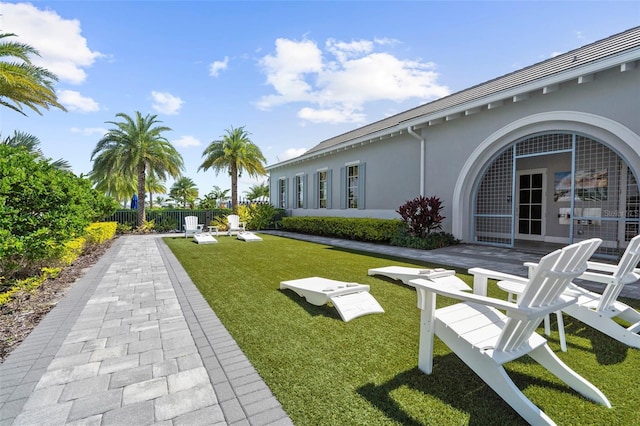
22,314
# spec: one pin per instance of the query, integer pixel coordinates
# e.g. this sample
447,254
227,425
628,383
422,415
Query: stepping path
133,343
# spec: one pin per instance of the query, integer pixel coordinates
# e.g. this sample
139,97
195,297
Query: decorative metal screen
604,199
494,206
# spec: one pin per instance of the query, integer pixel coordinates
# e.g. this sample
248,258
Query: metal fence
167,220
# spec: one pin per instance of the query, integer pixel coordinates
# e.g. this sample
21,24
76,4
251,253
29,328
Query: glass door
530,204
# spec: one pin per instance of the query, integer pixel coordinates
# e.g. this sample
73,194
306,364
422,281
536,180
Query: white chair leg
545,357
563,340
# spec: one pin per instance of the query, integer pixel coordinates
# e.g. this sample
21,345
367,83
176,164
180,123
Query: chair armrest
602,267
481,276
512,309
599,278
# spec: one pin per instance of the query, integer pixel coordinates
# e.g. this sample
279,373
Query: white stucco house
548,153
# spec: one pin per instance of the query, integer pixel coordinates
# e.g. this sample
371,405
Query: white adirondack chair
235,226
599,310
191,226
485,338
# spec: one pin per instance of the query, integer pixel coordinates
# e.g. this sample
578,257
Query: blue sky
294,73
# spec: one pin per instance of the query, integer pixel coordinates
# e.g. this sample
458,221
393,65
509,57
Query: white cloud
291,153
63,50
166,103
217,66
338,82
74,101
89,131
187,141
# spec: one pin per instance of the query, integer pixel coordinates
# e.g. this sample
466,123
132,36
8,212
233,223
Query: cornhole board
351,300
406,274
248,236
204,239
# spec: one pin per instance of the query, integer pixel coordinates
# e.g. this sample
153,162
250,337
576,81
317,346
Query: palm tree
134,148
184,190
32,144
118,186
154,186
21,82
257,191
236,153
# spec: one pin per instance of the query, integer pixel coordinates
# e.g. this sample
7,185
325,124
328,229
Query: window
282,193
352,182
322,189
352,187
300,191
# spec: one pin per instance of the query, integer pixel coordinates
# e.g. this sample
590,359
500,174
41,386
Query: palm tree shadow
453,383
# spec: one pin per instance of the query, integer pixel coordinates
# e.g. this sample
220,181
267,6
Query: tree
154,186
32,145
257,191
210,200
134,148
21,82
184,190
235,153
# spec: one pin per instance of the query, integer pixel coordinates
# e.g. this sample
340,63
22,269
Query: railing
167,219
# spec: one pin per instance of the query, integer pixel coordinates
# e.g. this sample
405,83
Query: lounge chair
406,274
234,224
191,226
480,334
599,310
352,300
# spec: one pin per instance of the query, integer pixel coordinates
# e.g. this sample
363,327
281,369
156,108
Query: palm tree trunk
234,188
141,193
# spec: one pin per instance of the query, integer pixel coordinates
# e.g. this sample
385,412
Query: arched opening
556,187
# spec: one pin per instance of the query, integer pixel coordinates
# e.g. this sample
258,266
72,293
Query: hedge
361,229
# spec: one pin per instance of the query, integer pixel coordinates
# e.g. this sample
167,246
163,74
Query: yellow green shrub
99,232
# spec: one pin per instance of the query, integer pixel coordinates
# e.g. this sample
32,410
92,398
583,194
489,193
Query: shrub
41,209
431,241
362,229
261,216
422,215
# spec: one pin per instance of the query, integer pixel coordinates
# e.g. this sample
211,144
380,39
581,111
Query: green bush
361,229
430,241
41,209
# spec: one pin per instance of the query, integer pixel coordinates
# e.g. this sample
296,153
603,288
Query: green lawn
328,372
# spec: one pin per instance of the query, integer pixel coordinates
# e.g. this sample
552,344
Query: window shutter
361,184
343,187
294,186
329,188
286,193
305,193
316,190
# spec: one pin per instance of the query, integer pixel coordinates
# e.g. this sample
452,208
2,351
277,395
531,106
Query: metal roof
565,62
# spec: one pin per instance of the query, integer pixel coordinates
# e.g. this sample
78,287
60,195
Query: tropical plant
41,209
422,215
235,153
32,144
211,200
184,190
154,186
119,186
257,191
22,83
136,147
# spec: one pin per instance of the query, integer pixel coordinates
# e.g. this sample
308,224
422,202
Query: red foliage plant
422,215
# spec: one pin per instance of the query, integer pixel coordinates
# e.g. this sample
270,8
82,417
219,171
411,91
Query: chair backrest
233,220
546,284
624,274
191,222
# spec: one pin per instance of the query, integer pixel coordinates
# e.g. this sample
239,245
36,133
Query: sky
292,73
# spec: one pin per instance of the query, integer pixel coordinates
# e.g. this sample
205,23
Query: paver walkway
135,343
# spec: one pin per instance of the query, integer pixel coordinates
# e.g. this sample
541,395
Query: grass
327,372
